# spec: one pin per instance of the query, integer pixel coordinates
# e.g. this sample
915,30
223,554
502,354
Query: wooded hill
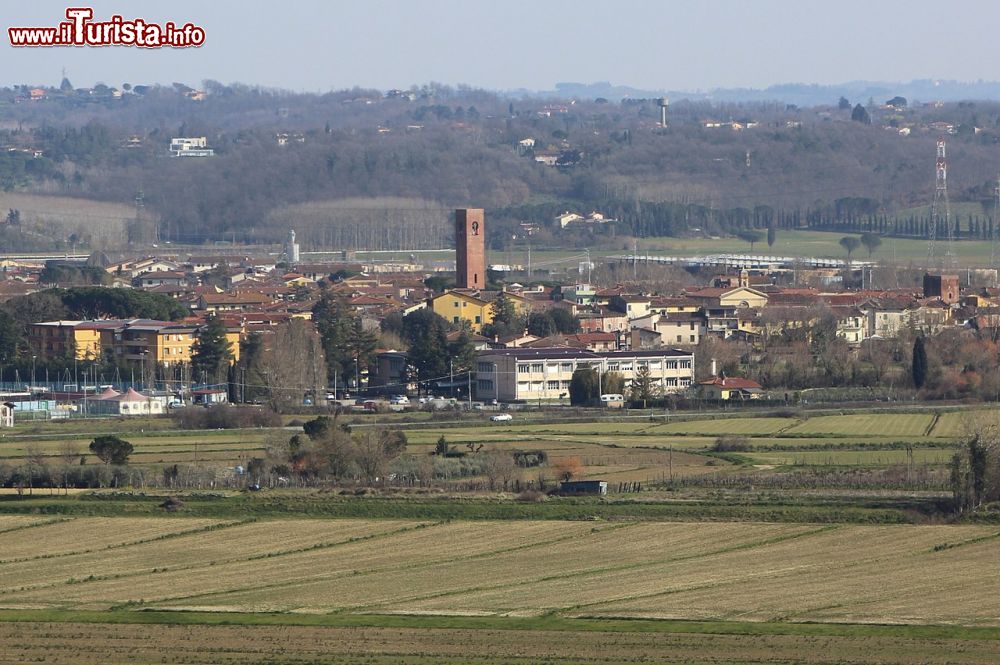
395,163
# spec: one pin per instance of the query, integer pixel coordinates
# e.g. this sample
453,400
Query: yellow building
136,340
473,307
66,339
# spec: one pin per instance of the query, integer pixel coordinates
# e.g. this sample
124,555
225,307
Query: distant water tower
664,103
291,248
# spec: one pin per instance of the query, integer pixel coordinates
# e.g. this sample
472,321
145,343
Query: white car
501,417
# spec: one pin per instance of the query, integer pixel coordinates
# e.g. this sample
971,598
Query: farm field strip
951,424
763,582
749,426
900,425
632,547
9,523
63,537
230,546
960,589
404,545
12,449
873,458
448,643
744,571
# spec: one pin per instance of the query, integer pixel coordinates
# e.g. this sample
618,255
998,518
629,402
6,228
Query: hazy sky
314,45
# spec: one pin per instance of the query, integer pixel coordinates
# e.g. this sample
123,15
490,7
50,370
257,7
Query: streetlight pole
496,382
33,374
451,377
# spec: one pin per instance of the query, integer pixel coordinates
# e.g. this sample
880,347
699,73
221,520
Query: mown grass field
817,244
708,571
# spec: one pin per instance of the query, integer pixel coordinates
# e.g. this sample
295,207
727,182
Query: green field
882,425
817,244
862,440
617,450
860,458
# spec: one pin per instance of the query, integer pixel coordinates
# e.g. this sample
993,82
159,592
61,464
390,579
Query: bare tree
35,463
375,449
975,470
69,455
294,365
498,467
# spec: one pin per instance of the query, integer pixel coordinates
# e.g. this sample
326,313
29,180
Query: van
612,401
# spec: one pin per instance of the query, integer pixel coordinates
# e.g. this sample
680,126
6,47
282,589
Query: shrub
226,417
172,504
532,496
731,444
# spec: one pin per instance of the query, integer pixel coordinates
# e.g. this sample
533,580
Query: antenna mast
940,220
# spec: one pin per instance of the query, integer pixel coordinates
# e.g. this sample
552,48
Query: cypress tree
212,351
919,363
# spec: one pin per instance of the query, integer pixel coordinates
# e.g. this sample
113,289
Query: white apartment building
509,375
190,147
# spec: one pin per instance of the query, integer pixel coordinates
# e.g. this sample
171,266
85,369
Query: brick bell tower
470,248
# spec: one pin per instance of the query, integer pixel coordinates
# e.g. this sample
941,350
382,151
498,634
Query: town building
528,374
945,287
134,340
724,387
387,372
474,308
657,330
190,147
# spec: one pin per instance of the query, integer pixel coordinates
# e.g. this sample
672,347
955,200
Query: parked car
399,399
501,417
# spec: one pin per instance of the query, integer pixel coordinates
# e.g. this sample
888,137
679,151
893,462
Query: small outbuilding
7,414
129,403
577,487
724,387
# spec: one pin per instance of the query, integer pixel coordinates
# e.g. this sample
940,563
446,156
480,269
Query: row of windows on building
551,368
486,385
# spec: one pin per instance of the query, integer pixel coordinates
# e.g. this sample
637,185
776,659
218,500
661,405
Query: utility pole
496,382
994,230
